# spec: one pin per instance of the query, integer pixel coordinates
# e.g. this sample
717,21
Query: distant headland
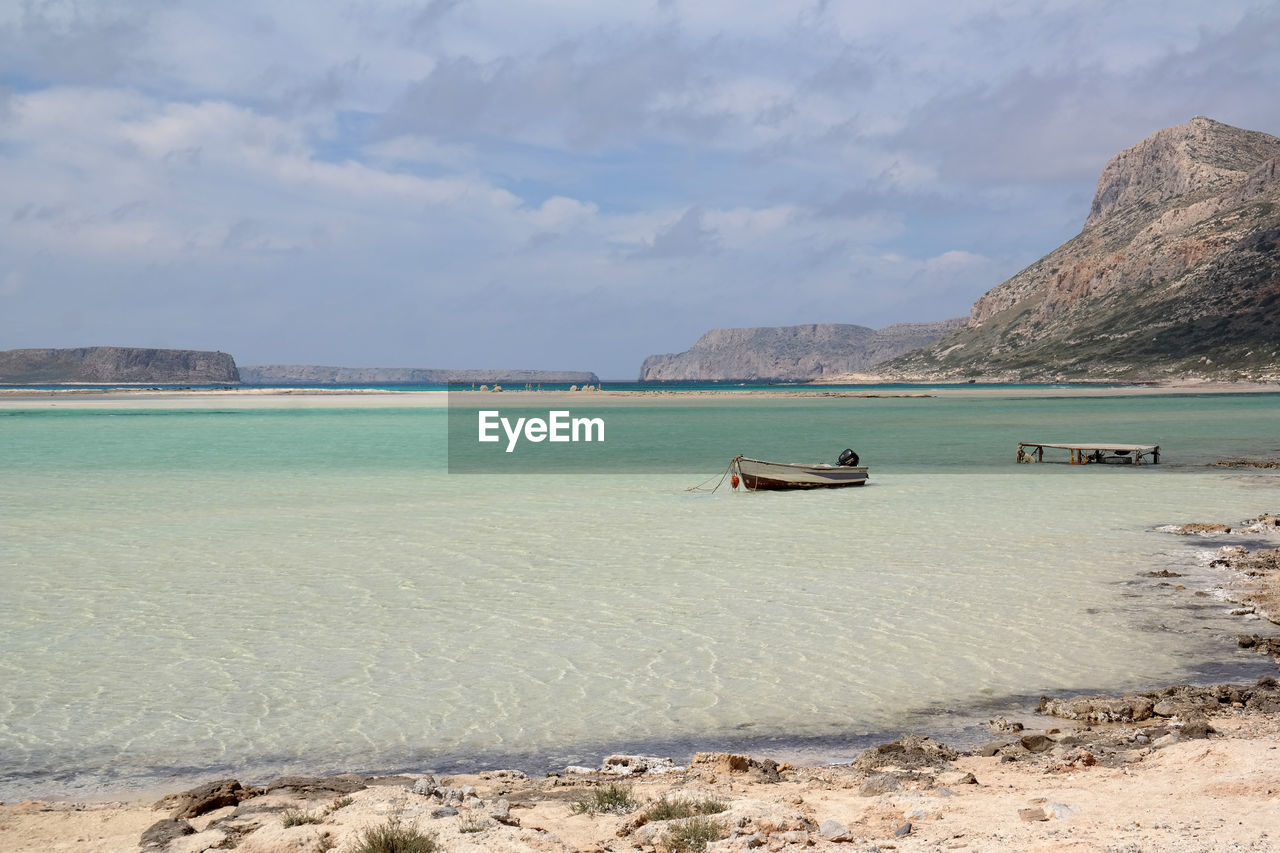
90,365
791,353
141,365
308,374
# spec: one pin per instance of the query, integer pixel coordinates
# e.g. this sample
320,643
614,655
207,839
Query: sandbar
348,398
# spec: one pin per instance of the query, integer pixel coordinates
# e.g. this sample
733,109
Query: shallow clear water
260,591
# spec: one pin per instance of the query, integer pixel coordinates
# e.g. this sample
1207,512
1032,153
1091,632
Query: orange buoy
733,481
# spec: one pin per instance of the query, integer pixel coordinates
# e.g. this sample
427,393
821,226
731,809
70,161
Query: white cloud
560,212
194,173
953,261
745,226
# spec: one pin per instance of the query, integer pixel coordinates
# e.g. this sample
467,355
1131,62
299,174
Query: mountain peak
1202,156
1176,272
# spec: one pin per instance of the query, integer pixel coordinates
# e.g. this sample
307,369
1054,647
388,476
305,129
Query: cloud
1062,117
684,238
387,182
558,212
424,22
952,261
575,93
326,90
11,283
69,42
420,151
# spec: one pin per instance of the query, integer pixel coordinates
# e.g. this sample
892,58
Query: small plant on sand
471,823
295,817
693,834
340,803
610,799
665,809
394,837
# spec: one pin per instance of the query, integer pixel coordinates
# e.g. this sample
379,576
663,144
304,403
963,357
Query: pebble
1062,810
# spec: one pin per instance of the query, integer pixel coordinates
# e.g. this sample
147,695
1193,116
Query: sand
337,398
1221,793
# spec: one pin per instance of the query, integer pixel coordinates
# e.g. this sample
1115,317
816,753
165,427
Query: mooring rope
701,487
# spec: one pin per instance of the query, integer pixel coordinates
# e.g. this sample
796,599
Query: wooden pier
1084,454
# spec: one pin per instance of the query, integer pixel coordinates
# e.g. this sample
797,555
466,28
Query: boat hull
777,476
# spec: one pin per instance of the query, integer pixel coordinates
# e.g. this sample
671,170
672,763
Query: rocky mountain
117,364
307,374
790,353
1176,272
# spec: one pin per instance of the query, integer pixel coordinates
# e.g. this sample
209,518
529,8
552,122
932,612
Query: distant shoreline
312,397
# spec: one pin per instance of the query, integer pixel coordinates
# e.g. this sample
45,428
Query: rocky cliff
308,374
1175,273
117,364
790,353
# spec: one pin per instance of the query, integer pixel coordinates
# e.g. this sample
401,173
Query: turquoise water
927,433
262,591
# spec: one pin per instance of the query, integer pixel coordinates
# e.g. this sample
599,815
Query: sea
194,593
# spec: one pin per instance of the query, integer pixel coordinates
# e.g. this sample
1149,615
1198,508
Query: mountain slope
790,353
1175,273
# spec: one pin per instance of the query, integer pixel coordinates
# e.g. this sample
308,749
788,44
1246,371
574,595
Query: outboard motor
848,459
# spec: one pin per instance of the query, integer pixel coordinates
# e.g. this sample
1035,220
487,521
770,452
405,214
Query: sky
566,184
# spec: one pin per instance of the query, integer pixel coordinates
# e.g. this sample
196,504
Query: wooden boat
757,475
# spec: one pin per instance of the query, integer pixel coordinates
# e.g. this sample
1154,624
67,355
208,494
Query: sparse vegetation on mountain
1175,274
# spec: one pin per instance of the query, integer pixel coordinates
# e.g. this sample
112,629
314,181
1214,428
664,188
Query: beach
1195,796
1172,770
1128,784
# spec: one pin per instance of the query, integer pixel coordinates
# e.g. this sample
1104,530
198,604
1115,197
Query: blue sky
565,184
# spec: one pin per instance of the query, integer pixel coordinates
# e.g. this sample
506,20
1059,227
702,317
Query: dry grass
395,837
693,834
609,799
